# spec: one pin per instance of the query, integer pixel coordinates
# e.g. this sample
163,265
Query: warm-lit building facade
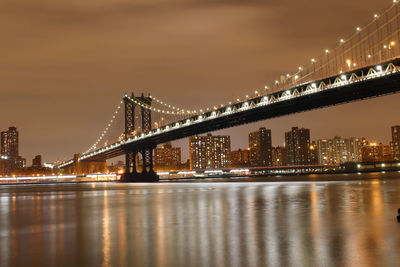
167,157
396,142
376,152
9,143
260,145
210,152
240,158
279,156
339,150
10,159
298,146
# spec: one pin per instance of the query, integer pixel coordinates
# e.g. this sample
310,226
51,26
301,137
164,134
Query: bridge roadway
366,82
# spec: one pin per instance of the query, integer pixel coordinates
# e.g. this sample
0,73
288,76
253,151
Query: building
313,153
10,159
338,150
374,152
167,157
9,142
37,161
210,152
298,146
260,145
279,156
86,166
396,142
240,158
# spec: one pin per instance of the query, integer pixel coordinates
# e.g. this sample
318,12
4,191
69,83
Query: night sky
65,64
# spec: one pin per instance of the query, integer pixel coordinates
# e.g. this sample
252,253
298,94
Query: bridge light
358,29
313,60
300,68
379,68
314,85
342,41
296,77
266,87
343,77
369,56
326,51
376,16
392,43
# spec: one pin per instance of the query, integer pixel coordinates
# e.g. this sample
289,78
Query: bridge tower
146,150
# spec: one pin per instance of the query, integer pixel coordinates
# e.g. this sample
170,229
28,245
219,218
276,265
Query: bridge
363,66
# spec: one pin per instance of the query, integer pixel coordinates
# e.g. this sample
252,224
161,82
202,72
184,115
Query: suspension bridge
365,65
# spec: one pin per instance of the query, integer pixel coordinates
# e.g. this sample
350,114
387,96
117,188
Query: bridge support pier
147,175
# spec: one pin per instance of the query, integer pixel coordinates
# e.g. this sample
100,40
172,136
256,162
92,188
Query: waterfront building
313,153
339,150
9,157
279,156
298,146
167,157
374,152
240,158
396,142
86,166
9,143
210,152
260,144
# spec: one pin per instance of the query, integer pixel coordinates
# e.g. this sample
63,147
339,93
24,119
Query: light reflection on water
328,223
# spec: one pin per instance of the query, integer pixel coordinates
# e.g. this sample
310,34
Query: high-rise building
9,143
167,157
260,144
9,151
396,142
279,156
210,152
338,150
313,153
355,145
240,158
298,146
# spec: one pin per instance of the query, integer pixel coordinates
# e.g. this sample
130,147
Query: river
319,220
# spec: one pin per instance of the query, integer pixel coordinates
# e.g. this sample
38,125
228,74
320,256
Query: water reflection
343,223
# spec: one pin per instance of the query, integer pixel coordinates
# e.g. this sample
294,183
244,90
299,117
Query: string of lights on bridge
178,111
104,132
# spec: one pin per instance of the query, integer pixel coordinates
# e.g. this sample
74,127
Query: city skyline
48,96
184,148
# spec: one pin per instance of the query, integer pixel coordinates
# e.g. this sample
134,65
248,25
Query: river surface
327,220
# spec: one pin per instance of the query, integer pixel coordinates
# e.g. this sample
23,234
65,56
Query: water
339,221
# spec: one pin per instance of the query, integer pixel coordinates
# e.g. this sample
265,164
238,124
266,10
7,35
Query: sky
65,65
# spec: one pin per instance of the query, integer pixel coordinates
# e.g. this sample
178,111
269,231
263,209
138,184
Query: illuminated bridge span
363,66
